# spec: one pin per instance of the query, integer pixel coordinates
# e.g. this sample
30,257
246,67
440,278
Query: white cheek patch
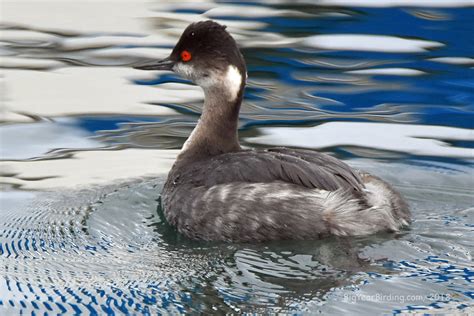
184,70
233,81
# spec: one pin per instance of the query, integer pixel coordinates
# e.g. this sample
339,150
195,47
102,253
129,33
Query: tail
381,208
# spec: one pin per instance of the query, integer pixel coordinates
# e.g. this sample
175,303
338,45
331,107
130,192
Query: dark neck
216,131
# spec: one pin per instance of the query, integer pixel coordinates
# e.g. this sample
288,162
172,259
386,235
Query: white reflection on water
366,42
388,71
29,63
454,60
77,17
411,139
249,11
86,168
79,90
390,3
21,141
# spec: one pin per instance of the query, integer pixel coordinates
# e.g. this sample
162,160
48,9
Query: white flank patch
233,81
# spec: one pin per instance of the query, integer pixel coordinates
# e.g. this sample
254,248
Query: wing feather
305,168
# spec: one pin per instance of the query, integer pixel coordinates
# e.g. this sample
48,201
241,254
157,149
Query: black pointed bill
164,64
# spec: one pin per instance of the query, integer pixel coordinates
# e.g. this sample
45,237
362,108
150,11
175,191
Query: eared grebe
218,191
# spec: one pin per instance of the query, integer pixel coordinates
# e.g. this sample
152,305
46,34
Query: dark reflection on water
76,114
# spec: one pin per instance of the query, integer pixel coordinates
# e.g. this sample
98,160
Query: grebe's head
207,55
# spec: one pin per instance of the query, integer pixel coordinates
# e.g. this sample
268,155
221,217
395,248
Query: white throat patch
233,81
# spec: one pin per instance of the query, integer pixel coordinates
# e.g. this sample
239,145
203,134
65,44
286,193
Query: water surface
86,142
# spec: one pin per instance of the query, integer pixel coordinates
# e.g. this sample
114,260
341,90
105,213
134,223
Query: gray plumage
278,193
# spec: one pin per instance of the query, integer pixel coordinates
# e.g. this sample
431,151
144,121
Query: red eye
185,55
